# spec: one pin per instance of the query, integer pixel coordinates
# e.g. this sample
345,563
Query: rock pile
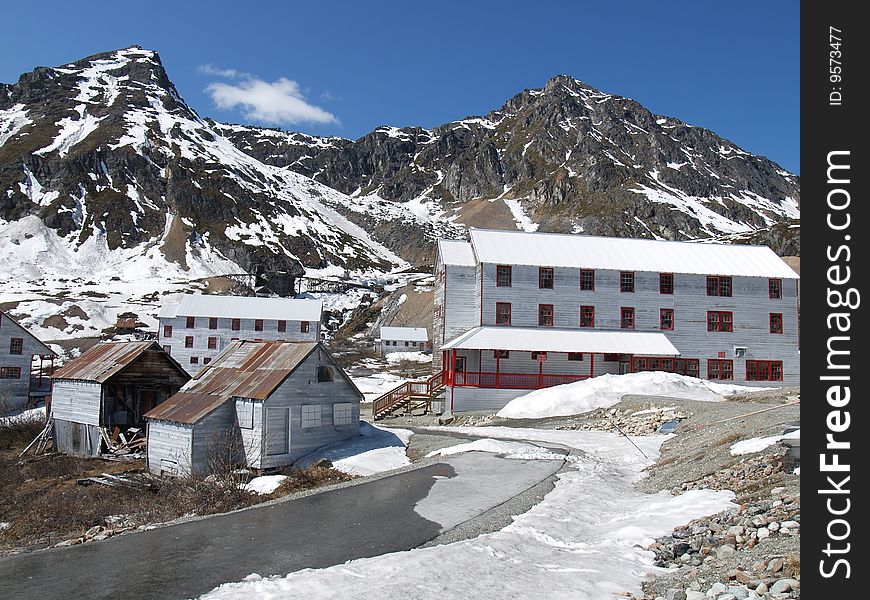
629,421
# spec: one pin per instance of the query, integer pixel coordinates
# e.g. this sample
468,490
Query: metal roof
413,334
102,361
241,307
455,252
563,340
626,254
245,369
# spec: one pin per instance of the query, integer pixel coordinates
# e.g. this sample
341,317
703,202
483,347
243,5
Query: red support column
540,373
497,368
591,364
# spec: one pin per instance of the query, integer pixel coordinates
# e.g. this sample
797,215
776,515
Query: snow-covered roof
456,252
626,254
412,334
241,307
563,340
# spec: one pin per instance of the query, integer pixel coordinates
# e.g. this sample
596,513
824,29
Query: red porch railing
530,381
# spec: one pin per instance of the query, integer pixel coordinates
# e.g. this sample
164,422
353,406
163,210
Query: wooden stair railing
404,394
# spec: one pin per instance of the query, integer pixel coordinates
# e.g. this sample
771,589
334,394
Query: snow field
374,450
512,450
606,390
753,445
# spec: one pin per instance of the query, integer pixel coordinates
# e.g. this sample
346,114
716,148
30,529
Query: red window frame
236,324
500,272
212,343
545,273
499,306
587,316
282,326
774,289
576,356
775,322
587,280
541,312
626,317
626,282
720,285
212,322
188,341
501,354
539,353
666,283
304,326
190,323
167,331
16,346
664,325
719,369
763,370
258,324
720,320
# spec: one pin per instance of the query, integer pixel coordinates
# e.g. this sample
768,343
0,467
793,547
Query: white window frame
342,414
312,416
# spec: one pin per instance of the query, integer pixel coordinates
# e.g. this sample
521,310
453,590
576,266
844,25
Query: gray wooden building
195,328
266,403
112,384
728,311
25,366
403,339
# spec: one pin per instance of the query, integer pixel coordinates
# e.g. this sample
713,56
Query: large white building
195,328
516,311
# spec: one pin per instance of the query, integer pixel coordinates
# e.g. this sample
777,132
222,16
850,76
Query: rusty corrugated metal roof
101,361
186,407
244,369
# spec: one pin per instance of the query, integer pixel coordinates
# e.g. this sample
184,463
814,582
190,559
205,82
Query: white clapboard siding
76,401
169,447
457,292
224,334
215,437
16,392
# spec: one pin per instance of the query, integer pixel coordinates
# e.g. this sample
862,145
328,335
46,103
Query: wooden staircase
410,396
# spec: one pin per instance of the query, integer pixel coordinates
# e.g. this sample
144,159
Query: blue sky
344,68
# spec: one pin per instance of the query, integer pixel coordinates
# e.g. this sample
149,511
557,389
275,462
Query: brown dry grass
315,476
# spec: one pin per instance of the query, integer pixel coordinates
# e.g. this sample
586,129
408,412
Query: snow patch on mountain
12,120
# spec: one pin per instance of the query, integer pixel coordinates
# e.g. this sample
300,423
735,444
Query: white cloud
278,103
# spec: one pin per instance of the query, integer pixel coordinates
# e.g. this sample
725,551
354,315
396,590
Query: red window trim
622,310
763,365
501,354
592,309
282,326
167,331
190,323
236,324
718,324
304,326
212,322
662,319
772,315
541,271
623,274
497,305
188,341
212,343
662,287
720,362
719,279
592,271
770,288
552,315
258,324
510,274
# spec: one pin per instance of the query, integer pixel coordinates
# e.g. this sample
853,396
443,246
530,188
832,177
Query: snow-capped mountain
563,158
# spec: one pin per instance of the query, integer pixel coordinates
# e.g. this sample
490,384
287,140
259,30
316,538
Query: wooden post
591,364
497,365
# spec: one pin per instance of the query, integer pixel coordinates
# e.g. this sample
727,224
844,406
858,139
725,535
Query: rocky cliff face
107,155
563,158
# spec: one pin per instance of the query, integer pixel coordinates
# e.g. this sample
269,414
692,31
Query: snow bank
606,390
581,541
394,357
515,450
377,384
374,450
265,484
31,414
753,445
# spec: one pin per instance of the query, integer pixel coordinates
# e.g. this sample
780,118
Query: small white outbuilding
404,339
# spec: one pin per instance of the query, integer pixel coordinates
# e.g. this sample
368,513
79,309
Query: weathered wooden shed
112,384
267,404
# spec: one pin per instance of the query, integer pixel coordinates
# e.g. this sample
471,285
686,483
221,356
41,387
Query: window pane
503,276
